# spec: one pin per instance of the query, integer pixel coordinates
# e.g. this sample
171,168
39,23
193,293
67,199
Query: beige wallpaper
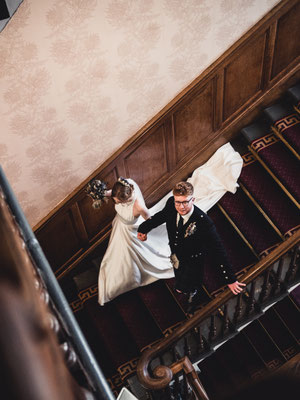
79,77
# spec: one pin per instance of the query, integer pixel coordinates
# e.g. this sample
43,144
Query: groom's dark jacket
197,239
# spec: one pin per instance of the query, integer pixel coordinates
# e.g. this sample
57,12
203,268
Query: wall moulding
208,113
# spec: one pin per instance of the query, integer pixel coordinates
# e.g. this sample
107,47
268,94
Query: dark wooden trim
184,134
79,224
269,53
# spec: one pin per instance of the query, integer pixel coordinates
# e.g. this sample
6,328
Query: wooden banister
184,364
163,374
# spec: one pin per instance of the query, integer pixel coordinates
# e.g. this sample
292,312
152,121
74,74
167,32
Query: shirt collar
185,217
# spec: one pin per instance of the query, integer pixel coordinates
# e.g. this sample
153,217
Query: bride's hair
183,189
122,190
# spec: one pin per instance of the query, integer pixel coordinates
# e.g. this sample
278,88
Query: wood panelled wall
232,92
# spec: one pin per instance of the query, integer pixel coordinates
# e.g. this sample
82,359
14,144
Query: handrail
164,374
191,375
95,376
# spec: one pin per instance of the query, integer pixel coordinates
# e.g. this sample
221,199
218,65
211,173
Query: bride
128,263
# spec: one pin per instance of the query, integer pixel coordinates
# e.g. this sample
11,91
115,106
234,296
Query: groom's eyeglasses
184,203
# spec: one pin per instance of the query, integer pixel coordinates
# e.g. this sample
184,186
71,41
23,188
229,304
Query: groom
192,235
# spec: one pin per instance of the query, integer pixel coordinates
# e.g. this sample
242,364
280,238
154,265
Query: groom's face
183,204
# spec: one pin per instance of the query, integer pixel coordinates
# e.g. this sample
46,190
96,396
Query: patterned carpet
122,328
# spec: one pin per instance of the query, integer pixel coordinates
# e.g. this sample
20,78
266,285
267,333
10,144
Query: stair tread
97,345
243,349
280,161
161,304
277,205
239,254
290,314
295,294
278,111
108,325
221,383
250,221
234,364
289,128
286,343
294,92
137,319
263,344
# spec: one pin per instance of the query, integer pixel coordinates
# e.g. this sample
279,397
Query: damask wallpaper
78,78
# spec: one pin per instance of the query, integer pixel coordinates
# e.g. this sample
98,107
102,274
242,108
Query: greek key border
264,142
287,122
248,159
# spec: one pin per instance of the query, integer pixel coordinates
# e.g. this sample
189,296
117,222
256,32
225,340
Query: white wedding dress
129,263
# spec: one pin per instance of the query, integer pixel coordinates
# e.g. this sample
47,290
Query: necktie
180,223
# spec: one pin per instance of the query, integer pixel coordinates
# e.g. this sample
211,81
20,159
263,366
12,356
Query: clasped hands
142,236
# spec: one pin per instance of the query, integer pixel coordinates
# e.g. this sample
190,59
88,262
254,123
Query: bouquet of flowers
96,189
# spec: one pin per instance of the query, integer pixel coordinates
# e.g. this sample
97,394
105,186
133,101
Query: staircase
262,347
253,223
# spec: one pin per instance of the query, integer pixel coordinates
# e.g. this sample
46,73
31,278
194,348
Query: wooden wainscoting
251,75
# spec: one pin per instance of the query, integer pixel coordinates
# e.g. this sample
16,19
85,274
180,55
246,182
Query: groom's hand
142,236
236,287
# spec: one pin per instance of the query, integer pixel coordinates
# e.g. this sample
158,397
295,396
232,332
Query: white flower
191,229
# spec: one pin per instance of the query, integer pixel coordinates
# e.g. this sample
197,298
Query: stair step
270,197
214,372
286,342
112,332
294,94
259,233
286,123
279,161
97,345
234,364
289,313
289,129
264,345
295,295
160,302
239,254
182,299
241,348
137,319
